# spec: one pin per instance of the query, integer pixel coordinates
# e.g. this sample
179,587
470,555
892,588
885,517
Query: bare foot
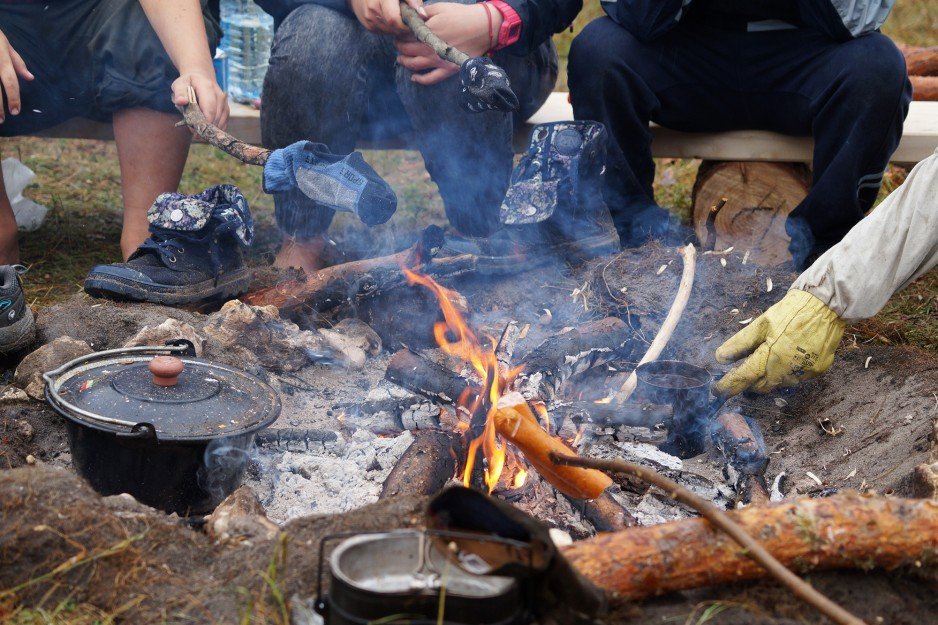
301,254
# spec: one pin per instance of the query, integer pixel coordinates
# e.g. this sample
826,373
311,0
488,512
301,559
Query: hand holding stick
195,120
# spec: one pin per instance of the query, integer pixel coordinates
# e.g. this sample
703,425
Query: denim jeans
851,96
333,82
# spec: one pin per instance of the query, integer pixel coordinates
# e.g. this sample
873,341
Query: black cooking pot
172,430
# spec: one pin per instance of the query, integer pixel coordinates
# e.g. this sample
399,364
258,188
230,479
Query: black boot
193,255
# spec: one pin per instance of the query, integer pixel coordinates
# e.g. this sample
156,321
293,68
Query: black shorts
90,59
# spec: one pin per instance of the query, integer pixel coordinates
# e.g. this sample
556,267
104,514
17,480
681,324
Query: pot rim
57,377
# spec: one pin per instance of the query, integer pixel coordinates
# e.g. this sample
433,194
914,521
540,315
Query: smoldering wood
604,512
427,465
505,348
195,120
745,452
416,373
630,414
342,284
847,530
568,353
294,437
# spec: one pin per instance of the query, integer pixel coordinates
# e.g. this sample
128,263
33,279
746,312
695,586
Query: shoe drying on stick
343,183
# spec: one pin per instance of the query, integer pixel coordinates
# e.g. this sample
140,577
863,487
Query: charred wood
604,512
743,449
427,465
425,377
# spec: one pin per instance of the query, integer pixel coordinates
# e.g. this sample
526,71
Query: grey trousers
333,82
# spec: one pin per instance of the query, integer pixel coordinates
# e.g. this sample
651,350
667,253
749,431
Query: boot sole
19,334
578,250
228,286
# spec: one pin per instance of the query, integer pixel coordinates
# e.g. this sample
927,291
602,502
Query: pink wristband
510,31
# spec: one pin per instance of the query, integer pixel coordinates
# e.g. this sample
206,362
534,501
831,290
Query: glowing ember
456,338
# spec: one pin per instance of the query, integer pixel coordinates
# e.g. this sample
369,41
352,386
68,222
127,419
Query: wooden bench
919,140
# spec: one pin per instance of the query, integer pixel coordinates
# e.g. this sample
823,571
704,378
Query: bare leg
305,254
9,247
152,155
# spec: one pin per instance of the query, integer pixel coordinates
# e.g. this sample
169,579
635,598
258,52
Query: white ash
342,476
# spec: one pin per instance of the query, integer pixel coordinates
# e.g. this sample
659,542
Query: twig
505,348
423,33
711,223
689,256
722,521
244,152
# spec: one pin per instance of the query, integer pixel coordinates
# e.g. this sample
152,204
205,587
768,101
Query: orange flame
456,338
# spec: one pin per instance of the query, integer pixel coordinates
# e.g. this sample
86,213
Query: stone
13,394
169,330
240,518
28,375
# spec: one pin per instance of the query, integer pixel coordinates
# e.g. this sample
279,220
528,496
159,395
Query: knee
301,45
875,71
601,46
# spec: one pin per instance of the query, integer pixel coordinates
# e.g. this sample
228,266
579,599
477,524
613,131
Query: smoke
224,463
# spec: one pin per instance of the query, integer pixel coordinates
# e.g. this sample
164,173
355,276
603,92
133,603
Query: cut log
759,198
604,512
340,284
425,377
847,530
427,465
924,88
921,61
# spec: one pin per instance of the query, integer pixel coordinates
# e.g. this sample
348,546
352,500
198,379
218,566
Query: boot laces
165,247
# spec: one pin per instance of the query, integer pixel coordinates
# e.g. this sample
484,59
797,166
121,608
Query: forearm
894,245
541,19
181,29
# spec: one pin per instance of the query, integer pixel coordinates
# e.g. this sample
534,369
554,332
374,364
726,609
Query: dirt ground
880,401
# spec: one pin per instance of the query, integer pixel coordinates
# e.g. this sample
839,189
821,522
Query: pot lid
161,391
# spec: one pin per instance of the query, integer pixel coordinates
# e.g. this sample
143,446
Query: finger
391,16
180,92
19,66
436,76
415,48
747,375
743,343
417,5
418,63
11,86
225,112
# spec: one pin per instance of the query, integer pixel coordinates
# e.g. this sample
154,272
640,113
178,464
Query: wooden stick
689,256
423,33
724,522
195,120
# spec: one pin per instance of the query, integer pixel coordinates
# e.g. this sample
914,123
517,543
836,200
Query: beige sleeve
892,246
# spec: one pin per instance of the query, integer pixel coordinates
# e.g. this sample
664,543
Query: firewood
924,88
921,61
847,530
744,450
604,512
425,377
427,465
515,422
759,198
689,256
196,121
339,284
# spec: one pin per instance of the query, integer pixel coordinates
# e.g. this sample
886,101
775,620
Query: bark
425,377
921,61
423,33
605,513
244,152
924,88
515,422
759,198
847,530
427,465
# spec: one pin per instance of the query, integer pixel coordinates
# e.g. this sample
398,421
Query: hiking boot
193,255
17,326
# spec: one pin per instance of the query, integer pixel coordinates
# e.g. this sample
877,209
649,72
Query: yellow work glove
792,341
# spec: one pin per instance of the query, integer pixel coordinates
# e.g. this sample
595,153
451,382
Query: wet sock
343,183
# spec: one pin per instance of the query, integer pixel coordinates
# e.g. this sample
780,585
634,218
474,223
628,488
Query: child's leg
152,155
9,248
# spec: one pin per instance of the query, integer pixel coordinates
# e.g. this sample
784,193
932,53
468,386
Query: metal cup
686,388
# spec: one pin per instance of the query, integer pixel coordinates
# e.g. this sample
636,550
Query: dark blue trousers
852,97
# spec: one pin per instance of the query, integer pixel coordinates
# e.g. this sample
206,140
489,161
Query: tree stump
759,198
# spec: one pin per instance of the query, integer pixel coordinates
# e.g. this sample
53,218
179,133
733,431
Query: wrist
509,24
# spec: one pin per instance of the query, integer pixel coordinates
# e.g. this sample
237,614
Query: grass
80,182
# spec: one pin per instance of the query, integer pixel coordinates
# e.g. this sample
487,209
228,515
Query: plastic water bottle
247,35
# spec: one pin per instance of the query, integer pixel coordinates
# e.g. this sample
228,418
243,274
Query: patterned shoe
17,326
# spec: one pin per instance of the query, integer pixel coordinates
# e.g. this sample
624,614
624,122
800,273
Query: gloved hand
792,341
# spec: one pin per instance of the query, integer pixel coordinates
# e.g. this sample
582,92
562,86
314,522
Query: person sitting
341,73
799,67
126,62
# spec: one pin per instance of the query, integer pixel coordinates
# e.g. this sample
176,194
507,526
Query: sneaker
17,325
192,257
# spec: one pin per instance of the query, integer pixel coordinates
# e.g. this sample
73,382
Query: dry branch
427,465
689,256
425,377
423,33
244,152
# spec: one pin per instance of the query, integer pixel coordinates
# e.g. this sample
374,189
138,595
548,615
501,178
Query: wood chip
661,270
723,262
815,478
734,312
866,365
746,257
781,403
850,475
745,321
768,285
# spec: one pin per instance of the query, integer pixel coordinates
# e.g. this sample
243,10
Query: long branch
423,33
244,152
723,522
689,255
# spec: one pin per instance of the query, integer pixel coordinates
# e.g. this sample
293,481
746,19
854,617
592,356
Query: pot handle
142,431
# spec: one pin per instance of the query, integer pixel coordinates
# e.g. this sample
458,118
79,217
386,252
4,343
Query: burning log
744,450
847,530
689,256
516,423
420,375
337,285
427,465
